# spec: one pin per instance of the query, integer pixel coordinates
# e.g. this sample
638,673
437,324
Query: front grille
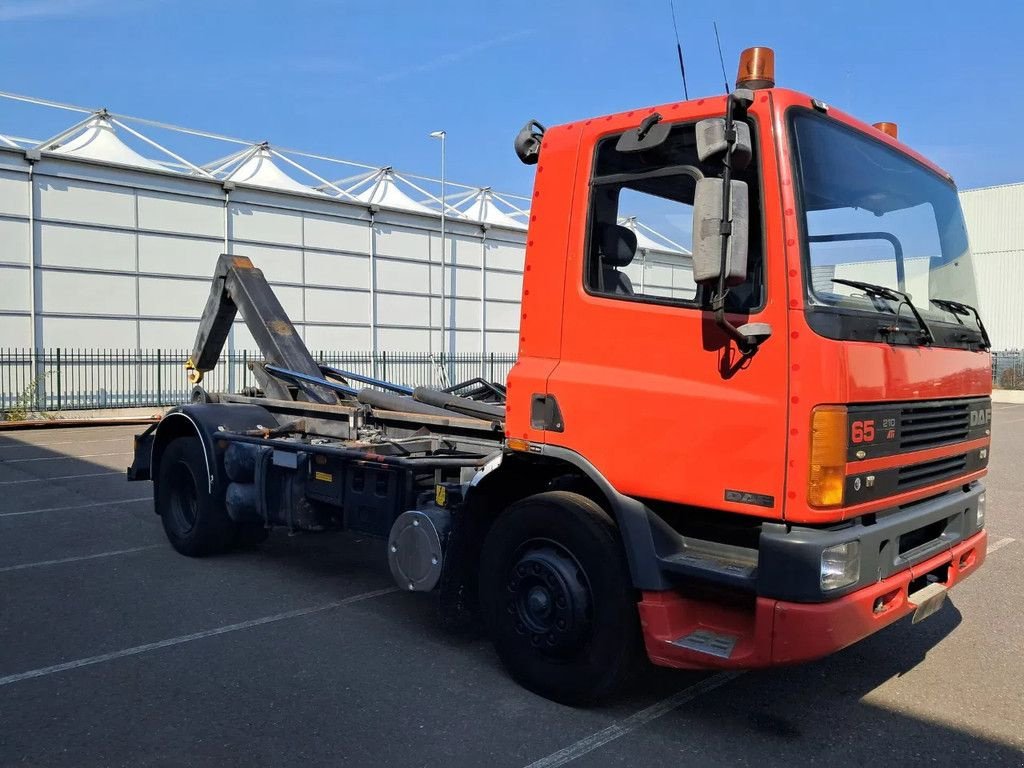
925,425
884,429
928,472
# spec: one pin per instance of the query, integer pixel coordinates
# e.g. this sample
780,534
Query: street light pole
443,136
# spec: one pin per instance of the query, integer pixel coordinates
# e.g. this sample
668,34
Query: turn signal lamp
889,129
827,476
757,68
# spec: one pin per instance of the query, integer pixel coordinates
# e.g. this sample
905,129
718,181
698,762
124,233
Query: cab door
650,390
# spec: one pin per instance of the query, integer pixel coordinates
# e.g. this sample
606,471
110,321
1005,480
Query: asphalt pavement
116,651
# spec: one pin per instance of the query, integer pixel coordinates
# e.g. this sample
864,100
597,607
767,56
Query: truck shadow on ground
827,710
830,711
789,713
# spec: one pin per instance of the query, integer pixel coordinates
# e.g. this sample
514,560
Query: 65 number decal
877,433
862,431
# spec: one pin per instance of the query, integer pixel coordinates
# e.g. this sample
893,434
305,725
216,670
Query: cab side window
641,221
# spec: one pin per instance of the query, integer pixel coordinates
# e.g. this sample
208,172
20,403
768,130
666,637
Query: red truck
757,465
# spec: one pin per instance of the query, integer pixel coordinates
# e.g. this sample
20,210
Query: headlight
981,510
826,478
840,565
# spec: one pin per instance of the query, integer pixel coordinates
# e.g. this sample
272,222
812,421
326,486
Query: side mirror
707,231
712,142
527,143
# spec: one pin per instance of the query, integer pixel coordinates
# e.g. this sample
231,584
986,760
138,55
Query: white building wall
662,273
995,226
93,255
122,258
880,272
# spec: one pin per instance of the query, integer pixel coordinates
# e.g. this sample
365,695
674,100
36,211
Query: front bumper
789,557
743,632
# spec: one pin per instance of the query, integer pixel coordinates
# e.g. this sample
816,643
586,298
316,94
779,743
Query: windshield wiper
959,308
892,295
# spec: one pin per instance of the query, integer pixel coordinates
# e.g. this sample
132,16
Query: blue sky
368,81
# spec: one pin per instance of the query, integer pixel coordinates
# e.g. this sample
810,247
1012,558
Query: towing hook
195,376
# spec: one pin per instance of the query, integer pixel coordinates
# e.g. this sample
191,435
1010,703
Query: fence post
36,380
58,380
159,379
37,377
245,368
384,365
491,378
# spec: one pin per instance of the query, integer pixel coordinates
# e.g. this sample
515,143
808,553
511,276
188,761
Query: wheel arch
521,475
203,421
172,426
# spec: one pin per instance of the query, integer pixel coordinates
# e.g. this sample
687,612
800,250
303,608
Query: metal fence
73,379
1008,369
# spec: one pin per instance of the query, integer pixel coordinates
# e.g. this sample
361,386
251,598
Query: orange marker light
889,129
757,68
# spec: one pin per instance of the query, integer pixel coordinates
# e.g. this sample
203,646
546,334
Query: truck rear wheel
557,599
194,519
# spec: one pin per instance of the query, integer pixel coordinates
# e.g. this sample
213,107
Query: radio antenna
721,59
679,49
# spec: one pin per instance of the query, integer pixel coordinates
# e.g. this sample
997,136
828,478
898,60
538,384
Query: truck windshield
874,215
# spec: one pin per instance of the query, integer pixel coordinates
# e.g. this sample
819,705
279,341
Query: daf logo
981,416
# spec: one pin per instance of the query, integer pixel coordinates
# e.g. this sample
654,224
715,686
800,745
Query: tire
557,599
195,521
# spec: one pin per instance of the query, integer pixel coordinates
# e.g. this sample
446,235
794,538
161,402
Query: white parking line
76,506
65,458
123,438
618,730
997,545
136,650
78,559
62,477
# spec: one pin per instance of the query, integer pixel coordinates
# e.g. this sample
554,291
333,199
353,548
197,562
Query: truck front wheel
194,519
557,599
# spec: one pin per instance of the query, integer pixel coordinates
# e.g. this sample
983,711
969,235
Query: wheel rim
549,599
184,497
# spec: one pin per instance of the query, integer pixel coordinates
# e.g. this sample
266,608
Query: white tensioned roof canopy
381,188
106,137
97,140
482,205
256,167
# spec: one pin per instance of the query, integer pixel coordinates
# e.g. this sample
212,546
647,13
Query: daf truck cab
809,411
